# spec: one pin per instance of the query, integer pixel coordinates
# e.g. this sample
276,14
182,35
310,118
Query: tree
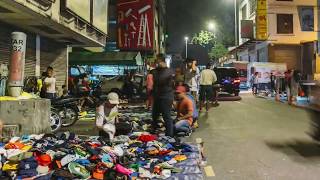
218,51
215,46
204,38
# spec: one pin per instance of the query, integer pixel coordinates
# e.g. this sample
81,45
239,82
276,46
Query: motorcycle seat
63,101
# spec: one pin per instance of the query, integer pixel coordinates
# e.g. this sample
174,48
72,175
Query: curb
294,104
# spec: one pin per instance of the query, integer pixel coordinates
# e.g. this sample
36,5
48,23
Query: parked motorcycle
67,110
55,120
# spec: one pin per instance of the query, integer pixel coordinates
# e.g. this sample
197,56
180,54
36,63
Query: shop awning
105,58
245,45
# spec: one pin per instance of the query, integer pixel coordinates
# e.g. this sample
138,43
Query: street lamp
186,39
211,26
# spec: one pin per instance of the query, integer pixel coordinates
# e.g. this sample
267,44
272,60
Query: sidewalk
302,102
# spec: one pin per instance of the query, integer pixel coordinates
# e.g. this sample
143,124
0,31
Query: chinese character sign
261,21
135,24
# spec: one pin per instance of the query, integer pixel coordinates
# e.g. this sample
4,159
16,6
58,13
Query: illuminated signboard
135,24
247,29
80,8
100,15
262,20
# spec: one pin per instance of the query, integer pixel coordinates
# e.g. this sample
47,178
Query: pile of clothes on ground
140,118
64,155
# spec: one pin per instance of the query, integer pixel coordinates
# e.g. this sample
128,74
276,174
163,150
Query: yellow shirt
207,77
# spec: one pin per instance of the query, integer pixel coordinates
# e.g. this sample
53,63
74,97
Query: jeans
50,95
206,92
182,126
255,88
163,106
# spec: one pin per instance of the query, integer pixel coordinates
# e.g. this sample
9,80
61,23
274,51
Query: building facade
140,26
291,34
51,27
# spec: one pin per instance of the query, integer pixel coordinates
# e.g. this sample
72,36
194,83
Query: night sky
187,17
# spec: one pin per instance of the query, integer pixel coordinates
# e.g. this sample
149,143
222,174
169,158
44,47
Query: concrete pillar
17,63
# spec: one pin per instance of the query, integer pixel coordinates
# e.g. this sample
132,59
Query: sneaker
195,125
78,170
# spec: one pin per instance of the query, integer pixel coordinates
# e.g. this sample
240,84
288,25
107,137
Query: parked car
229,80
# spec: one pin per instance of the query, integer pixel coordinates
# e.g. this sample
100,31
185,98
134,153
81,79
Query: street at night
159,89
254,138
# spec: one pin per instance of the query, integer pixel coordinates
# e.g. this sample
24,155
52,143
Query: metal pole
186,48
38,55
235,23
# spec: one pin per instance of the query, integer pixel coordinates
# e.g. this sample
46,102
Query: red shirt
185,107
149,82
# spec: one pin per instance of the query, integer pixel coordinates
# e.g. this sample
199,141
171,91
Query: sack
123,128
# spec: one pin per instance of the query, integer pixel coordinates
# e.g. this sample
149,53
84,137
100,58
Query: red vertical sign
135,24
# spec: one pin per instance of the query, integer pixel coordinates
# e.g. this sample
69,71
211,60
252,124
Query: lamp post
235,23
186,39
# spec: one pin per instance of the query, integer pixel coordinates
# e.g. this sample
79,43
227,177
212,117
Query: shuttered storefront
289,54
5,44
51,54
55,55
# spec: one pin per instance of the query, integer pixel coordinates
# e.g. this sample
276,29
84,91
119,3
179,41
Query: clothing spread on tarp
137,155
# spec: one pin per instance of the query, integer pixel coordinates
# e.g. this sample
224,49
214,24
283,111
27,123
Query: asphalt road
253,139
259,139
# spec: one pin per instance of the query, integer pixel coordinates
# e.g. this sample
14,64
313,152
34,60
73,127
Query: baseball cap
113,98
44,159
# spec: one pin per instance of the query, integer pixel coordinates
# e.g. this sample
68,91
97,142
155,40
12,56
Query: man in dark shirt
163,94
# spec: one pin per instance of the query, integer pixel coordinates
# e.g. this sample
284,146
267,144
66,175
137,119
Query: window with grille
253,6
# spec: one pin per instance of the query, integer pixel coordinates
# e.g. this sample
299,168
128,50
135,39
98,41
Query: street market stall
133,154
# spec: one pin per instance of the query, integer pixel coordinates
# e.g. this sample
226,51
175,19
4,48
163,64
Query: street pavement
258,139
253,139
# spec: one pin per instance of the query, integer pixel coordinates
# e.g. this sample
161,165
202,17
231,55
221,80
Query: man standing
191,77
207,78
255,83
163,95
149,85
50,84
272,84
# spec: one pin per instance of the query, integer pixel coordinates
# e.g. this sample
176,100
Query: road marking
209,171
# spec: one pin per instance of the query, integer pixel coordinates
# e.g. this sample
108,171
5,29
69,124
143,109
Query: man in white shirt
191,77
106,115
50,84
207,78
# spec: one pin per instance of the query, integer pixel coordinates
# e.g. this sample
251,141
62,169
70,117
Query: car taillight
236,81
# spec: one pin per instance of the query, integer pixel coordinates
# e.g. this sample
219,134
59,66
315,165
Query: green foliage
204,38
218,51
214,45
